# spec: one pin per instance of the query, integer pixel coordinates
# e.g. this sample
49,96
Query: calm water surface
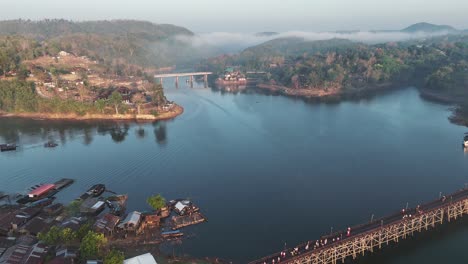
266,170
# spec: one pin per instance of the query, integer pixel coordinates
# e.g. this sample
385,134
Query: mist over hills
115,41
160,45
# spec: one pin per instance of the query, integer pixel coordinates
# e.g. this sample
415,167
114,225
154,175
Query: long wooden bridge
372,236
182,74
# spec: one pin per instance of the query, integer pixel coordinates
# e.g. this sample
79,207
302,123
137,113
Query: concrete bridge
181,74
371,236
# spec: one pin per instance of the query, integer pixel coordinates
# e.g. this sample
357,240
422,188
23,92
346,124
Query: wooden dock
373,235
187,220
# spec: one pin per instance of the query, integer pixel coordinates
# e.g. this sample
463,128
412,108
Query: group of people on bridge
326,241
293,252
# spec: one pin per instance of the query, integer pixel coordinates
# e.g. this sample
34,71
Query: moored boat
465,140
172,234
96,190
7,147
50,144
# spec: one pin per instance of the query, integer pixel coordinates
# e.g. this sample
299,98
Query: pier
338,246
187,74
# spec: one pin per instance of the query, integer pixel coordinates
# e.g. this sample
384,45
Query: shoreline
438,97
333,95
456,117
176,111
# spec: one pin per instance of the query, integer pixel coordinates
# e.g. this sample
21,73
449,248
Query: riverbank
308,93
439,97
332,94
174,112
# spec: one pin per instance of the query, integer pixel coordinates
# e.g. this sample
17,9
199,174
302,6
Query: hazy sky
250,15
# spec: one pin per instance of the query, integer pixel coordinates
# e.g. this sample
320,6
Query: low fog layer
233,42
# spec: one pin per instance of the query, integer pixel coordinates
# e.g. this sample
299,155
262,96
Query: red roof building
43,189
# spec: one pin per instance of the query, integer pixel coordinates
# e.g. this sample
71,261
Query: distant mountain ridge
50,28
266,34
428,28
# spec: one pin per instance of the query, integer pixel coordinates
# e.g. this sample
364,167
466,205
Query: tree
67,235
116,100
91,245
158,94
83,231
156,201
73,208
138,99
101,105
114,257
52,237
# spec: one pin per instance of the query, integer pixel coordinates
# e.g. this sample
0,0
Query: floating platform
187,220
56,187
172,234
63,183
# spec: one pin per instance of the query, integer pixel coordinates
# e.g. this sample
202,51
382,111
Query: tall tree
116,101
91,245
114,257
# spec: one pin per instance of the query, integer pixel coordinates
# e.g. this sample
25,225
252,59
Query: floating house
106,224
92,206
131,222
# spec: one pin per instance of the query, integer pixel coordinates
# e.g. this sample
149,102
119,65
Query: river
266,170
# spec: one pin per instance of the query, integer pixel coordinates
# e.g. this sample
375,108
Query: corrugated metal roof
41,190
142,259
97,205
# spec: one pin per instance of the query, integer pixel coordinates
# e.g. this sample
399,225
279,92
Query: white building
142,259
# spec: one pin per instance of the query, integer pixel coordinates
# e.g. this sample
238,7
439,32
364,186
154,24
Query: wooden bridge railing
367,237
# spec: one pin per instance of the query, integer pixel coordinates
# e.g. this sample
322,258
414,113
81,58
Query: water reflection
31,132
140,133
160,132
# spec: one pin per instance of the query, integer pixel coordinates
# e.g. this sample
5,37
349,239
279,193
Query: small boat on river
95,191
7,147
172,234
465,140
50,144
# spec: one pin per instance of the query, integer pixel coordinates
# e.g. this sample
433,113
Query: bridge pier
161,80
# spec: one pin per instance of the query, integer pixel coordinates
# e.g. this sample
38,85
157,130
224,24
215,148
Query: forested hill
45,29
111,42
427,27
295,46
